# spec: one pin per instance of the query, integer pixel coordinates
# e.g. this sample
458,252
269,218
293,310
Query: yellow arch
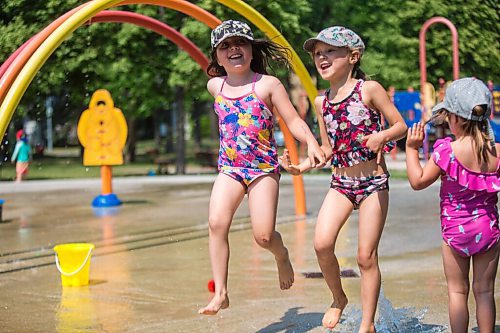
272,33
40,56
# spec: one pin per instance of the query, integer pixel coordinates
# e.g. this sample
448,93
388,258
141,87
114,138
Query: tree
142,70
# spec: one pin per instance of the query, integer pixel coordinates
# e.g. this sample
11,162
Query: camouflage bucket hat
336,36
230,29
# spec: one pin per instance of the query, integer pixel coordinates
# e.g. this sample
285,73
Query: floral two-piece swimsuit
347,122
247,146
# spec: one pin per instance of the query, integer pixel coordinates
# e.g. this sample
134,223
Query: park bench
163,162
207,158
203,157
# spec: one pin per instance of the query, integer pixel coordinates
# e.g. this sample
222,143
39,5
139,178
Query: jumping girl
245,97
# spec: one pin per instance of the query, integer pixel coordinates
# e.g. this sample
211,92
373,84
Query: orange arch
27,51
120,17
71,22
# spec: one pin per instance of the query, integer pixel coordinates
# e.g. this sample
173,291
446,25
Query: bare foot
333,314
371,329
217,303
285,273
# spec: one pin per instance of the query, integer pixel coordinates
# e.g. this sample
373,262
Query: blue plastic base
108,200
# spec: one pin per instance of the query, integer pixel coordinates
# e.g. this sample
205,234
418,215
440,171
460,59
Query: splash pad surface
150,267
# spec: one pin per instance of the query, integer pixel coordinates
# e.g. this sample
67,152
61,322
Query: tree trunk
170,123
131,140
156,128
196,113
214,124
180,144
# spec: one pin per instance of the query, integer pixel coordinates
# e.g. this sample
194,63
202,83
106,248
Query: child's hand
316,155
286,163
375,142
415,137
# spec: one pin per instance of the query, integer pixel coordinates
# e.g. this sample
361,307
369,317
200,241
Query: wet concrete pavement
150,269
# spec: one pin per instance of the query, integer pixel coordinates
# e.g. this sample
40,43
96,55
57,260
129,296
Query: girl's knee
367,259
263,239
217,224
483,287
323,248
459,287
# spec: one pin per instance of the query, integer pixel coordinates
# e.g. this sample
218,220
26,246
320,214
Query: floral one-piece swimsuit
247,146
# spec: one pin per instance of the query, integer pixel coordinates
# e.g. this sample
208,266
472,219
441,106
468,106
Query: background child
244,100
469,170
349,117
21,155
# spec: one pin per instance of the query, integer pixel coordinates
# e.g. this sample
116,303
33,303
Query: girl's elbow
417,186
402,130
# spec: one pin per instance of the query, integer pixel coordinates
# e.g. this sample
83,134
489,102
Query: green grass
67,168
64,163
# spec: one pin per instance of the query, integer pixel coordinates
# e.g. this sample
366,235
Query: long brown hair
357,72
262,52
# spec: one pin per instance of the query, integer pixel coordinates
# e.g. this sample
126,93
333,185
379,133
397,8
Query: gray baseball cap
463,95
336,36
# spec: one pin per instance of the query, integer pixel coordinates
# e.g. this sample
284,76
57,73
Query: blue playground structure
408,104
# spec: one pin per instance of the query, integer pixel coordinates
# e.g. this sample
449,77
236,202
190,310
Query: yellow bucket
73,262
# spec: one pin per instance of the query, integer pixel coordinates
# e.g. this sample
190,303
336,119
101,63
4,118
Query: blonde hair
477,130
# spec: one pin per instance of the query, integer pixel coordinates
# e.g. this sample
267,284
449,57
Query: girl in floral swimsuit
469,169
247,147
349,118
245,97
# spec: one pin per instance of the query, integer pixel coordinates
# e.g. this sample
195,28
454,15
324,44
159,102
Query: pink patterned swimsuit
469,213
247,146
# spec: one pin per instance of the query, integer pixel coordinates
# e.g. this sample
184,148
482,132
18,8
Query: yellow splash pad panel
73,262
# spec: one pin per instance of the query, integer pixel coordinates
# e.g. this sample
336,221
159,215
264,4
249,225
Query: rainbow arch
66,24
11,67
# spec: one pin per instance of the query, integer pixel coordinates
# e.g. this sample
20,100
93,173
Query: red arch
13,56
16,61
422,48
156,26
28,48
423,63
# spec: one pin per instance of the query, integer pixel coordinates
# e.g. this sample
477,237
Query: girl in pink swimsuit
469,169
245,98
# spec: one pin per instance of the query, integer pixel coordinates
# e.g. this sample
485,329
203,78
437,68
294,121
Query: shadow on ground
294,322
